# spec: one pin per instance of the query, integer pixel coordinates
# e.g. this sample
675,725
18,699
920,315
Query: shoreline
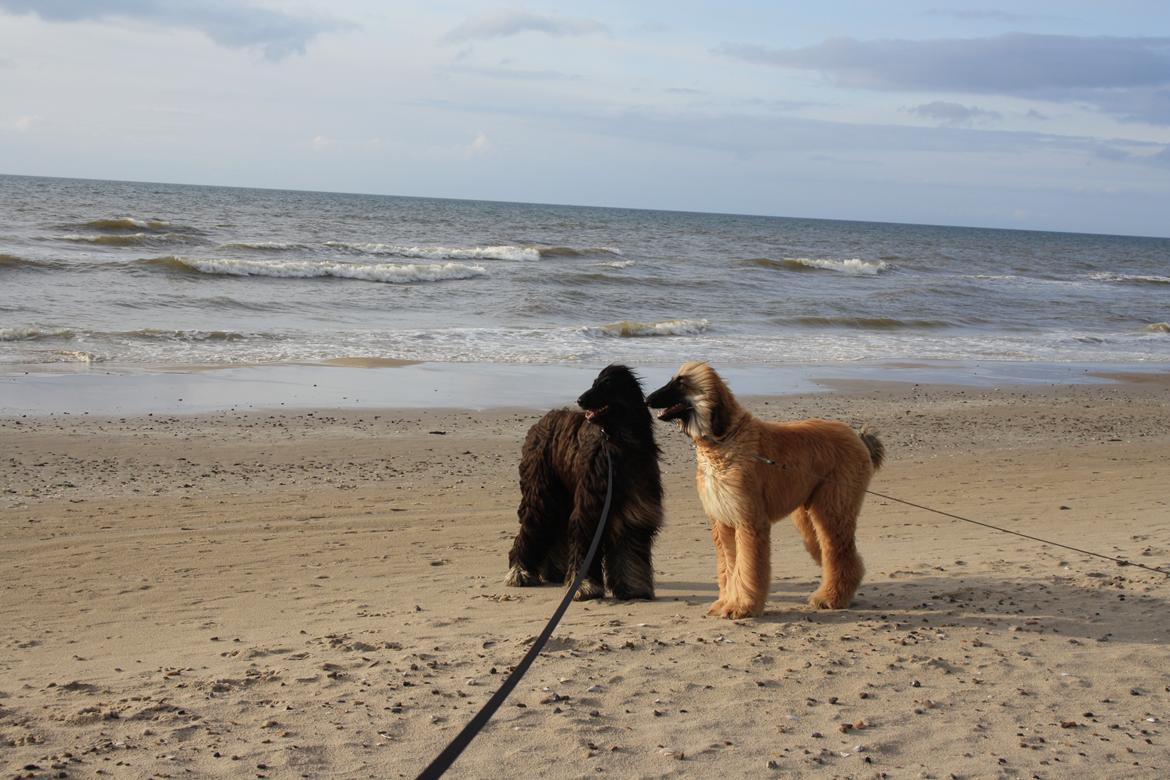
368,383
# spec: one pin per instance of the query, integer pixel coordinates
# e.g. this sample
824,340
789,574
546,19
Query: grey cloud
229,24
1126,77
985,15
1137,105
1006,64
508,23
953,114
748,135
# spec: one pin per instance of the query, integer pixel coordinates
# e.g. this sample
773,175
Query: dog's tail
877,450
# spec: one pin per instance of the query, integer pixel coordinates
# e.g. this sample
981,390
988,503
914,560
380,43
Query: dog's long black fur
563,485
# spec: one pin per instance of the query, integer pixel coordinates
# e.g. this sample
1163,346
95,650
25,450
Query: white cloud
24,123
321,142
479,145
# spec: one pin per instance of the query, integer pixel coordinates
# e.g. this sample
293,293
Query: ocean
133,276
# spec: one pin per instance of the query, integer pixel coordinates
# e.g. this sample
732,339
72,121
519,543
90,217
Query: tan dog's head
697,399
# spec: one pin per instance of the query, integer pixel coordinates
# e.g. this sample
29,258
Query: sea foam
127,223
854,265
389,273
1129,278
504,252
123,239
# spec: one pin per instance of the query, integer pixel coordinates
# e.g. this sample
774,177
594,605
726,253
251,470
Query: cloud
507,23
953,114
985,15
479,145
745,135
23,124
1126,77
235,25
320,143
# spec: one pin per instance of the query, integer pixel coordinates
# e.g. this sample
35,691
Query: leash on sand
457,745
1118,561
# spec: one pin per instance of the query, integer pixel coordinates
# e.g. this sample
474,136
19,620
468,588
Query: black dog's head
615,400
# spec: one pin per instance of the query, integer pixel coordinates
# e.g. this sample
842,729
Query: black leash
457,745
1118,561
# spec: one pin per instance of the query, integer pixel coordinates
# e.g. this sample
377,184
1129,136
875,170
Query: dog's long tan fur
752,473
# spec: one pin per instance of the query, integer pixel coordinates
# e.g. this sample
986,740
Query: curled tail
877,450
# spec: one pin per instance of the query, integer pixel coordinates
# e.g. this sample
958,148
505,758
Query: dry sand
320,594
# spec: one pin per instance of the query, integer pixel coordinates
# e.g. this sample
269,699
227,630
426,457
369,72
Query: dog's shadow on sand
1106,607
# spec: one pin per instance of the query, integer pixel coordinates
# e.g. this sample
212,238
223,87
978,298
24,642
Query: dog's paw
735,611
521,578
822,599
716,608
589,590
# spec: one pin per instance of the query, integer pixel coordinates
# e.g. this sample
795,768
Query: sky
1035,115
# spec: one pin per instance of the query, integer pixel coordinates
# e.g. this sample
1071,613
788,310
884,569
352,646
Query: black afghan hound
563,474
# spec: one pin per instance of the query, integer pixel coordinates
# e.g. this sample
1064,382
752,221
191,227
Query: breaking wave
440,252
389,273
1158,327
1130,278
33,333
573,251
124,239
866,323
270,246
513,252
154,334
635,329
36,333
854,266
127,223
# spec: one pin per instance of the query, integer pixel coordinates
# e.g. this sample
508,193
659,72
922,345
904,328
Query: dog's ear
717,417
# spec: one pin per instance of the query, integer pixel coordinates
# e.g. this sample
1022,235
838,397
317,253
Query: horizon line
588,206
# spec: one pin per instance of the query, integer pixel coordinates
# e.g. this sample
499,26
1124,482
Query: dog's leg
553,569
834,514
752,575
582,525
629,569
543,512
804,524
724,537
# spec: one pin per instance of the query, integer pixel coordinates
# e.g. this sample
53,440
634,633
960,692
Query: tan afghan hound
752,473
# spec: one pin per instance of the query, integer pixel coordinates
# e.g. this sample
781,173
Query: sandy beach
320,594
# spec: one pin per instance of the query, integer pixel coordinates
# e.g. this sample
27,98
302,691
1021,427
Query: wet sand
320,593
